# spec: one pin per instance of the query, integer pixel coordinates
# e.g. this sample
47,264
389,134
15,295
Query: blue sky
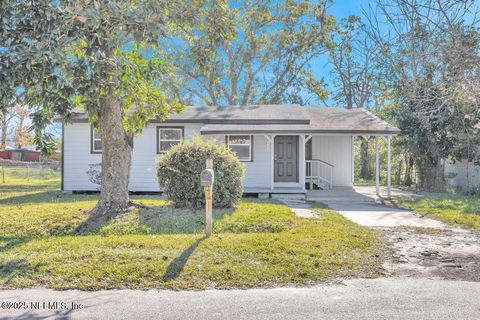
339,9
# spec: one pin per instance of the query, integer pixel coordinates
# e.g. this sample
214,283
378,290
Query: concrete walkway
300,207
359,205
371,299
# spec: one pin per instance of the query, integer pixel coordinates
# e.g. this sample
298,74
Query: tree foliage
430,59
103,57
253,52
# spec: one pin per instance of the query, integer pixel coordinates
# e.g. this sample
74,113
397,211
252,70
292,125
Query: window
96,141
168,137
242,146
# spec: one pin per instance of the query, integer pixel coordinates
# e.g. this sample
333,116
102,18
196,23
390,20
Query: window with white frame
168,137
96,141
242,146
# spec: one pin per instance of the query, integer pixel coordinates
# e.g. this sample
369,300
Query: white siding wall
257,172
336,150
77,158
456,174
143,173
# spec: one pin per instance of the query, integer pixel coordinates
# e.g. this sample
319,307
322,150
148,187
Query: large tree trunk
408,170
365,172
398,176
3,128
117,148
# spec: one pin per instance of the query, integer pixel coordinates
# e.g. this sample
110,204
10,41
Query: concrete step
299,196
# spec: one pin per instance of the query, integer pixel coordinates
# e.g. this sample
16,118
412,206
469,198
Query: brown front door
286,159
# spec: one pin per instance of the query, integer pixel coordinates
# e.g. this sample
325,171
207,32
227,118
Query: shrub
179,169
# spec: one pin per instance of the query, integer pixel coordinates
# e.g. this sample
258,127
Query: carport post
377,168
389,167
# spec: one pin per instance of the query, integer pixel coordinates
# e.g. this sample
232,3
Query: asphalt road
391,298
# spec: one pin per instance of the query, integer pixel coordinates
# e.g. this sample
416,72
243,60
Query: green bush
179,169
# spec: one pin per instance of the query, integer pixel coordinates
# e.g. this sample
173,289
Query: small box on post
207,177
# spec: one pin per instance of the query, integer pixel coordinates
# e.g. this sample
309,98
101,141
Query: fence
20,170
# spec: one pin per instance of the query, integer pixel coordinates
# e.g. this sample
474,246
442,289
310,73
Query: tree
265,57
6,115
22,137
104,57
8,98
353,77
351,57
430,60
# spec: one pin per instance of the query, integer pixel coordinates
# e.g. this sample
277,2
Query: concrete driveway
359,205
354,299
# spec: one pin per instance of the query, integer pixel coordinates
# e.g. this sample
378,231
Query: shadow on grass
20,267
10,268
92,225
176,266
171,220
7,243
44,197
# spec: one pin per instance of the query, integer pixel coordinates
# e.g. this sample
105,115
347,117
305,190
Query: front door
286,159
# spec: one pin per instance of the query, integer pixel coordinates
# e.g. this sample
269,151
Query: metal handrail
312,172
325,162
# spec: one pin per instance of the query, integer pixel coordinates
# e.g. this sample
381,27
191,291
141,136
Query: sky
339,9
320,68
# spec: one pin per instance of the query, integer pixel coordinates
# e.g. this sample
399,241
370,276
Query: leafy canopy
71,54
255,51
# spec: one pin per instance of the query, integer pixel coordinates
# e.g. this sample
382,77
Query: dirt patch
447,253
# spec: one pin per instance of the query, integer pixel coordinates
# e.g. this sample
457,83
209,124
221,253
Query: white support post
353,160
303,168
389,167
377,167
272,161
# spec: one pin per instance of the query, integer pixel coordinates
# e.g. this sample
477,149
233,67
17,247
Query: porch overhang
277,129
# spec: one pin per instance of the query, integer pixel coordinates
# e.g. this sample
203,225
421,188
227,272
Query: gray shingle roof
322,120
279,119
268,113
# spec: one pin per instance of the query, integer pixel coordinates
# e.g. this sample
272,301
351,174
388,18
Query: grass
453,209
48,239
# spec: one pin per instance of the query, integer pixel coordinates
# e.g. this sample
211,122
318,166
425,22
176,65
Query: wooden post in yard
206,179
3,174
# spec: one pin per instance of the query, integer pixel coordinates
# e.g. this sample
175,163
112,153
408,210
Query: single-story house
20,155
285,148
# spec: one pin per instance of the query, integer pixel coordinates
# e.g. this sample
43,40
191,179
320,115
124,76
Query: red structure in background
5,154
20,155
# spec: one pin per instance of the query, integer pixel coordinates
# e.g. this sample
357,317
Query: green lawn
453,209
48,239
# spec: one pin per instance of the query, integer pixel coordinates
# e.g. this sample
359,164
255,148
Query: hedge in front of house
179,169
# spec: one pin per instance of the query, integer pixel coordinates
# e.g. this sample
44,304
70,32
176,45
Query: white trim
302,163
94,139
286,184
353,160
377,167
159,129
293,133
249,144
272,162
389,168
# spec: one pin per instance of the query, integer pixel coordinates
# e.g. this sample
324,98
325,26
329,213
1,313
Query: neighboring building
20,155
456,174
285,148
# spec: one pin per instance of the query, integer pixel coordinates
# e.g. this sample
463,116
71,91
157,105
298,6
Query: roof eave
319,131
